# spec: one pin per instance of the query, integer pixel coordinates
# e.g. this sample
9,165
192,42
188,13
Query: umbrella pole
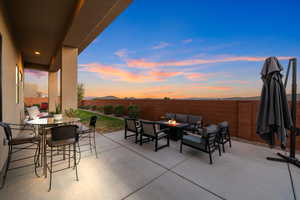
293,132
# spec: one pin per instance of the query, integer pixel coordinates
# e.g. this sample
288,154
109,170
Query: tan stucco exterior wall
12,112
52,91
69,78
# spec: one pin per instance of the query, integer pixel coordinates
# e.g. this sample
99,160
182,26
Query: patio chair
206,143
34,112
61,137
134,126
89,133
195,123
25,141
181,118
224,135
44,106
151,130
170,116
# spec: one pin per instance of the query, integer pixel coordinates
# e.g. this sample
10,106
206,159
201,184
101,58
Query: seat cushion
161,134
193,141
223,124
181,118
33,112
85,130
170,116
57,143
194,119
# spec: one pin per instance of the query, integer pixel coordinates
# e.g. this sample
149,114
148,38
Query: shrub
82,107
37,105
119,110
108,109
133,111
88,107
94,107
71,113
99,108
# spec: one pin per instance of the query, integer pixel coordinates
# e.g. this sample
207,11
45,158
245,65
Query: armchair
206,143
150,130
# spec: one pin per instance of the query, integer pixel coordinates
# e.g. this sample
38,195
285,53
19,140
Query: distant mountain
105,98
88,98
255,98
289,97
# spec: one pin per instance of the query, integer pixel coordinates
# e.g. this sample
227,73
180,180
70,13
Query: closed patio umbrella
274,116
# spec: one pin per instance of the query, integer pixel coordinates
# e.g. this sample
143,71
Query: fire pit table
175,128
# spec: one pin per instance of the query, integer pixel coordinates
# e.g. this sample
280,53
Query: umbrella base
285,159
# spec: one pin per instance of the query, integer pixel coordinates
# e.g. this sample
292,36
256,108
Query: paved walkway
125,170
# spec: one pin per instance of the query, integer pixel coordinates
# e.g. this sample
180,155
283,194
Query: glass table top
51,121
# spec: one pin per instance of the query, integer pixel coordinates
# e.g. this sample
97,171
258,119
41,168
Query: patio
125,170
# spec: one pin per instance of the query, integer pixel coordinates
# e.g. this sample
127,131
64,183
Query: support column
52,91
68,78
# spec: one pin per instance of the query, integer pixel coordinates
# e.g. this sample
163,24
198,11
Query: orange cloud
115,73
164,74
233,82
160,92
215,88
198,76
142,63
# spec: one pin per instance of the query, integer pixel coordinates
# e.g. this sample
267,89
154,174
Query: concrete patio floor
125,170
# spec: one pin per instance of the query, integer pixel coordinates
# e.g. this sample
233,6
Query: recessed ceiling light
37,53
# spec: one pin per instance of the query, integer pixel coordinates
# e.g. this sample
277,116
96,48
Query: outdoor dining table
176,129
42,124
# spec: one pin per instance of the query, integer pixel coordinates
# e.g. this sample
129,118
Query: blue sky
189,48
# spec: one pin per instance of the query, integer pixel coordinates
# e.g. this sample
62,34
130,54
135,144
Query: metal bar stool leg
51,165
95,146
90,142
69,146
36,158
75,163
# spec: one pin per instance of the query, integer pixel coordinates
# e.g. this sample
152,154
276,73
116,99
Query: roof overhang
41,28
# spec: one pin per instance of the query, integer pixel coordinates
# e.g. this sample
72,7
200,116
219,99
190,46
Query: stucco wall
12,112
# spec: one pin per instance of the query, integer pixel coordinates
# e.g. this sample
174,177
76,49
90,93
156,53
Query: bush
133,111
86,107
94,107
108,109
37,105
71,113
119,110
99,108
81,107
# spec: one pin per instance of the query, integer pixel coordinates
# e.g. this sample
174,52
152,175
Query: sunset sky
182,49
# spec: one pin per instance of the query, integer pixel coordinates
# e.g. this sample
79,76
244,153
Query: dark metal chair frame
90,133
156,136
135,131
224,137
210,144
194,125
13,144
62,135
